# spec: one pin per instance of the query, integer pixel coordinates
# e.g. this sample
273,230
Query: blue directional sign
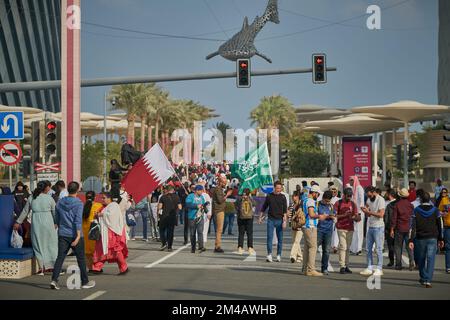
11,125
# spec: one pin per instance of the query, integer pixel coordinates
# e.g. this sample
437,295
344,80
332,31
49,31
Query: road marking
151,265
344,298
95,295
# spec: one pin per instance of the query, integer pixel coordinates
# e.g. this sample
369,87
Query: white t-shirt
334,200
378,204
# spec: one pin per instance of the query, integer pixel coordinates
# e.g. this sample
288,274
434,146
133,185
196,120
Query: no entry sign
10,153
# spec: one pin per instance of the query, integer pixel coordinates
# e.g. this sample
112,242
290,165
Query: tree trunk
130,130
143,121
157,130
150,133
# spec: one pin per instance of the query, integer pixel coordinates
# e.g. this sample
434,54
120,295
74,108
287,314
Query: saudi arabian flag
254,170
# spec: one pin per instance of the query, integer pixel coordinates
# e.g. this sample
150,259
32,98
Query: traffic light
52,140
319,68
37,131
284,161
413,157
243,73
398,157
447,139
25,164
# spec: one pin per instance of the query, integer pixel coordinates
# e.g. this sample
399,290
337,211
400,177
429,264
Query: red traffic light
319,60
51,125
243,65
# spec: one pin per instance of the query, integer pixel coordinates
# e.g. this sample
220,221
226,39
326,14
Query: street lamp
105,138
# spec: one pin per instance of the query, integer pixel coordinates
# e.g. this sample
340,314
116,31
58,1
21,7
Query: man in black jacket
277,216
425,234
391,195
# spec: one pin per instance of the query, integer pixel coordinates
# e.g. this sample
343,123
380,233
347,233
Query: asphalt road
183,275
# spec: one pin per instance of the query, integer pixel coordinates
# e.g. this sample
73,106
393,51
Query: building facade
30,43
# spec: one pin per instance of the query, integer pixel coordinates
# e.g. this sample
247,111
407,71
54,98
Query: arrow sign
11,126
10,153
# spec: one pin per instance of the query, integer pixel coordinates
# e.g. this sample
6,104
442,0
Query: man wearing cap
310,232
195,203
399,229
219,200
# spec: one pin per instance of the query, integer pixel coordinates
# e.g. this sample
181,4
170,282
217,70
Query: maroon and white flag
148,173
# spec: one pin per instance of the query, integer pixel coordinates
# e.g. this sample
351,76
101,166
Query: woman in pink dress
112,246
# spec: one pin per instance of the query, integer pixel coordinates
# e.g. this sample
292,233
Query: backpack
94,231
246,210
298,219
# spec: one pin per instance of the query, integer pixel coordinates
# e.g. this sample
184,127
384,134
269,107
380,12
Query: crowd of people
337,220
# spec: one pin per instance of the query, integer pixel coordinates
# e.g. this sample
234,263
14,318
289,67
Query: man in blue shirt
68,218
195,205
325,228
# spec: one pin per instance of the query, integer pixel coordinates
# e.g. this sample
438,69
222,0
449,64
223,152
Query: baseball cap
199,187
315,188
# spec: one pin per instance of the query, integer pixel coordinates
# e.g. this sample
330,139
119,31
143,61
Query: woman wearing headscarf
91,208
358,198
112,247
44,237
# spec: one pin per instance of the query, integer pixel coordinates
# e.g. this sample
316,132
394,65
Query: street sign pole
10,177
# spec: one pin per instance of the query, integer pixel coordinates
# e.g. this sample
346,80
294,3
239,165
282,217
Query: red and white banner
357,159
52,167
147,174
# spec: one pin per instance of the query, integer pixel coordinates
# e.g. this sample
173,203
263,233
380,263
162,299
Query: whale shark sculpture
241,45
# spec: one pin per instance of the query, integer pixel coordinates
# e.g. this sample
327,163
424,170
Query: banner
357,159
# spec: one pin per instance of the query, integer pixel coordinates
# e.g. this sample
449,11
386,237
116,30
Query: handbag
16,240
94,231
131,219
298,220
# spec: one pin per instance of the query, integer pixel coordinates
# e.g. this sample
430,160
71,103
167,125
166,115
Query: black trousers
245,226
166,231
64,244
186,226
402,238
390,244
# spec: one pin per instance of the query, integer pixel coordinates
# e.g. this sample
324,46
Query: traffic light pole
56,84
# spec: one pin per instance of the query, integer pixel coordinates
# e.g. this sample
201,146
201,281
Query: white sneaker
133,239
89,285
366,272
269,258
378,272
278,259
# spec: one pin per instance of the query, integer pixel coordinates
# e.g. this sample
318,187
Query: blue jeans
447,247
324,240
375,236
228,222
276,224
425,249
144,214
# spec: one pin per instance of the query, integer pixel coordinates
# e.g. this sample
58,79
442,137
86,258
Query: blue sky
398,62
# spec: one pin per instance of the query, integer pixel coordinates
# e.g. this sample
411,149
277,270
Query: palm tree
275,112
131,99
222,127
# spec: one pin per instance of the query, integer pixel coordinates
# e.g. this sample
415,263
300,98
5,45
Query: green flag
254,170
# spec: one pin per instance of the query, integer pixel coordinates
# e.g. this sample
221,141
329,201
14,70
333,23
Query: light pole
105,140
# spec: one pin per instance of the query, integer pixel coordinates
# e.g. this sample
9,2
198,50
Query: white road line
151,265
95,295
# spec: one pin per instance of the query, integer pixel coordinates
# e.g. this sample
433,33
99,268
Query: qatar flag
147,174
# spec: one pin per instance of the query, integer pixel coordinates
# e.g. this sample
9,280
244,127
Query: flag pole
176,175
